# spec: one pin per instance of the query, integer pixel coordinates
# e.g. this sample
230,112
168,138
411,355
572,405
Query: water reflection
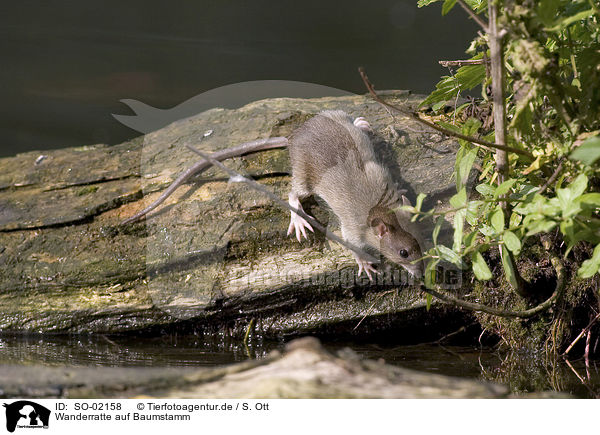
167,351
522,373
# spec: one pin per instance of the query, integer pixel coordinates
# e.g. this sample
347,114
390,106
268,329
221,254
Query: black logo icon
26,414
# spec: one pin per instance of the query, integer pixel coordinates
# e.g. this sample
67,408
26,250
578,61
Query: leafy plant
549,89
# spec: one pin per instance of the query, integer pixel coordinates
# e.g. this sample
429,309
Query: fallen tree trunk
215,255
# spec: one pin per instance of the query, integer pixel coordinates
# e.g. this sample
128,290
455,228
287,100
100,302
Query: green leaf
512,242
463,166
451,127
430,272
470,76
588,152
546,11
540,226
437,106
579,185
504,187
471,126
509,272
436,229
486,230
567,227
428,299
568,196
459,222
447,6
422,3
515,219
480,268
459,199
485,189
590,267
472,216
450,256
419,201
497,220
593,199
466,78
563,23
470,239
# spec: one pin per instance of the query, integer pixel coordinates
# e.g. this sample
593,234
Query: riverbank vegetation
525,107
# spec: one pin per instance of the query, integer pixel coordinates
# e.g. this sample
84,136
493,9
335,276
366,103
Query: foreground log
213,257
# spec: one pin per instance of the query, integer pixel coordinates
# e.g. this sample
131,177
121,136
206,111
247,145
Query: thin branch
257,186
473,15
552,177
576,373
479,142
501,157
582,333
497,69
560,286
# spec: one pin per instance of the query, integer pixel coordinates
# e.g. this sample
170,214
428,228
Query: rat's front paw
299,225
297,222
367,266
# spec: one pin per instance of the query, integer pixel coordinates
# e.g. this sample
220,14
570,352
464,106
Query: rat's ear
379,227
404,214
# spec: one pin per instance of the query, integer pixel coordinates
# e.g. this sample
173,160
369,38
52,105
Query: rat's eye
403,253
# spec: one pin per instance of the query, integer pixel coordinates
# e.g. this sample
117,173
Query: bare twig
582,333
473,15
576,372
479,142
586,355
257,186
201,166
370,310
553,177
452,334
558,291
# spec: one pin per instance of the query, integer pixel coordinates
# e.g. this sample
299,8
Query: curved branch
473,15
202,165
558,291
478,142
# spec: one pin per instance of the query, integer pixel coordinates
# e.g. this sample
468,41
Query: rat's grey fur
335,160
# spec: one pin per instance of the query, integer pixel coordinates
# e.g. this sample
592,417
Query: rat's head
396,244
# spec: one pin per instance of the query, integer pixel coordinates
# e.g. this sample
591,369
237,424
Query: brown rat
332,156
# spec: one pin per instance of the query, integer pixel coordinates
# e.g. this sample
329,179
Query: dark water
66,64
521,373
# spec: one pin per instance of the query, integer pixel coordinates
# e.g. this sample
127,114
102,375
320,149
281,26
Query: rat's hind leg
362,124
297,223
